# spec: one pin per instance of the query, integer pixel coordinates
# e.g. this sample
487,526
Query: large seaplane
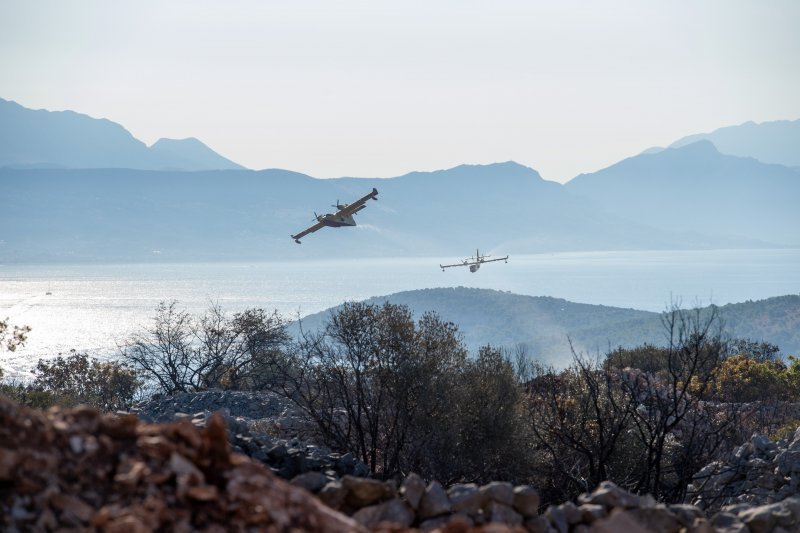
342,217
474,263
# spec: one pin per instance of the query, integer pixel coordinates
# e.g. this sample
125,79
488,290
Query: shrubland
404,394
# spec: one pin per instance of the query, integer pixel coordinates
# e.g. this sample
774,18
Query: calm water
92,307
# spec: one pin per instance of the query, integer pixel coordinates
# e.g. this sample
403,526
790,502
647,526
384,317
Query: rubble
430,506
758,472
611,509
607,509
78,469
262,425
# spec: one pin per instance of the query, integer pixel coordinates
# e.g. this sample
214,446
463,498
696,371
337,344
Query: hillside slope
547,325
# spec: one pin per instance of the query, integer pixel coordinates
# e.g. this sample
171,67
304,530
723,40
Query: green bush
648,358
38,399
107,385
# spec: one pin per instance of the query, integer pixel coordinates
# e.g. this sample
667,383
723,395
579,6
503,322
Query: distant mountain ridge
776,142
190,154
65,139
547,325
672,189
689,197
134,215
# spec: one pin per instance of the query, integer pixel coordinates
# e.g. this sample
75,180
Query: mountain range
673,189
136,215
65,139
76,188
775,142
545,326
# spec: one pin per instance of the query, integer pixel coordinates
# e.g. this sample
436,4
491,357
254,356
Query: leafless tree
580,417
650,429
181,353
674,424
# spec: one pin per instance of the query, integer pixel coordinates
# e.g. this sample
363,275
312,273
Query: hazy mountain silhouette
65,139
696,188
189,154
546,325
652,150
56,214
770,142
689,197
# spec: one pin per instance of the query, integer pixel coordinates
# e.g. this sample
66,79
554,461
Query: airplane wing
453,265
498,259
358,204
305,232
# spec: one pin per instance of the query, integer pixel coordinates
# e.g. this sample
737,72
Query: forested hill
546,325
775,320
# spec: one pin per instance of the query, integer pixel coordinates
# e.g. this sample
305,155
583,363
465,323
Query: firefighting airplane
342,217
474,263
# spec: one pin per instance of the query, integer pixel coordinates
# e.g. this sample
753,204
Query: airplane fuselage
336,221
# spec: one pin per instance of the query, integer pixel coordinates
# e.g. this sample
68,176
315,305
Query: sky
378,89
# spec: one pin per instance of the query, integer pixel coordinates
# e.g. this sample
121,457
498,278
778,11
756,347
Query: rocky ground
75,469
263,426
758,472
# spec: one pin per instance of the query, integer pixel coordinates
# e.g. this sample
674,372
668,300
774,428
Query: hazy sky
381,88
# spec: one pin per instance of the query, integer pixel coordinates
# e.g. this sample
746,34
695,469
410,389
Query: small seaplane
342,217
474,263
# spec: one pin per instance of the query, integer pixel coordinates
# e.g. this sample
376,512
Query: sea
96,307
